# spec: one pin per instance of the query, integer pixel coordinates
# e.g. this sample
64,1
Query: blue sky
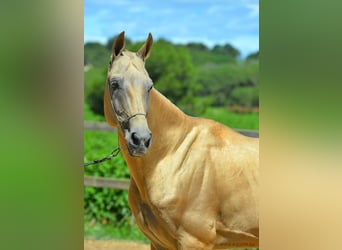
179,21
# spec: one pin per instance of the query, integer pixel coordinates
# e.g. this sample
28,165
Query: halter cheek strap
126,121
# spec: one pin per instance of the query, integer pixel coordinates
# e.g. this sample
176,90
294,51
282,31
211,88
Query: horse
194,182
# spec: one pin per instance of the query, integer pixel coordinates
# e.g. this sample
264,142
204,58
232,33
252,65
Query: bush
94,90
107,206
246,96
174,75
223,80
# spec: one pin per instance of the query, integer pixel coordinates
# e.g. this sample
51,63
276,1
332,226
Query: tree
172,71
253,56
95,54
246,96
197,46
227,49
94,91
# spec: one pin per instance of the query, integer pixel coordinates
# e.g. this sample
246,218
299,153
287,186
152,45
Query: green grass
108,232
233,120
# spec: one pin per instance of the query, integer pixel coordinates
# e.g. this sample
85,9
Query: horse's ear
145,51
119,44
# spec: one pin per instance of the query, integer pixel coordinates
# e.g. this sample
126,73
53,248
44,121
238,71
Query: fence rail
92,181
122,184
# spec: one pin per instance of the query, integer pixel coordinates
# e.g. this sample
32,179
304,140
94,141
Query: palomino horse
195,184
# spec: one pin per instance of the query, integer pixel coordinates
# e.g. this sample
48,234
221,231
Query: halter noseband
124,123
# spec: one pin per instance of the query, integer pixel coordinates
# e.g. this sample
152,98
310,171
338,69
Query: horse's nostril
148,142
135,139
139,140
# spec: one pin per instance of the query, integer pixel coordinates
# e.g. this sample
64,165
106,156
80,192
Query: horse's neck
165,120
168,126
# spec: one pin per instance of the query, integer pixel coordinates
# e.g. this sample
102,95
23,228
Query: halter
125,122
132,116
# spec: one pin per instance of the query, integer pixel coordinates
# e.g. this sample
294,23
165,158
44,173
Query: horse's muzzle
138,142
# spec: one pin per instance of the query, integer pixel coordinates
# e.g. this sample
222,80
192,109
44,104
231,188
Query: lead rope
114,153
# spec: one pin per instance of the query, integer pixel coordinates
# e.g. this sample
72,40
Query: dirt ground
114,245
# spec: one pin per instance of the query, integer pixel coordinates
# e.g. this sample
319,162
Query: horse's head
128,87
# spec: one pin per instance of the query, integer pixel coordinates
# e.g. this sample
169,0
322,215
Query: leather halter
125,122
132,116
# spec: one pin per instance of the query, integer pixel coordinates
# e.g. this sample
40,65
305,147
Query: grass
233,120
98,231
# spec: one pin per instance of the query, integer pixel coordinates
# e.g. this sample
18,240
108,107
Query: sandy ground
114,245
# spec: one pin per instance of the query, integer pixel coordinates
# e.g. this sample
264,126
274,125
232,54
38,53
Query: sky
179,21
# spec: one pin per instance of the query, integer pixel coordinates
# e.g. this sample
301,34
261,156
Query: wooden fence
121,183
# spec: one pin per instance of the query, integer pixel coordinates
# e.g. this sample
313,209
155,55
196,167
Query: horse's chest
148,217
153,225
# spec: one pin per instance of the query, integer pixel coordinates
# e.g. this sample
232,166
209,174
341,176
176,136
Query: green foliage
226,49
191,76
99,231
174,75
253,56
233,120
94,89
248,96
95,54
197,46
104,205
89,115
221,81
207,57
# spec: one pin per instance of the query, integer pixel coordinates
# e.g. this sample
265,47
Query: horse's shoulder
211,131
